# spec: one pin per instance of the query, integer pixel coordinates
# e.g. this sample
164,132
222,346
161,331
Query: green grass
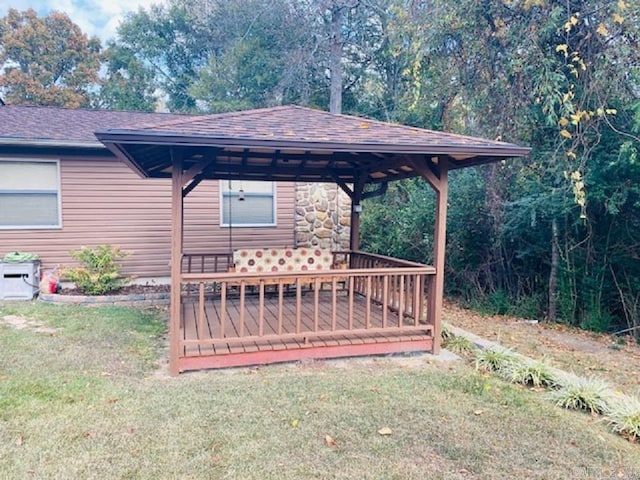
89,402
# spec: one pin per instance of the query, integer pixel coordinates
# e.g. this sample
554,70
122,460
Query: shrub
536,374
579,393
458,344
623,414
496,360
99,272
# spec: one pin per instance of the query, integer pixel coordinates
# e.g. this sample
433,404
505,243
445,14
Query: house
60,189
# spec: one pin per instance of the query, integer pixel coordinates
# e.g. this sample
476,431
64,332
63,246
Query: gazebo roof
297,144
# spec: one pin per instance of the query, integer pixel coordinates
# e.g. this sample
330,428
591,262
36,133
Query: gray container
19,281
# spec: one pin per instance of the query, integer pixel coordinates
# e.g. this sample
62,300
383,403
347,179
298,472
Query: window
29,194
247,203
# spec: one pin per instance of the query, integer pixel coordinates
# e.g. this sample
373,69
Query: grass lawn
89,401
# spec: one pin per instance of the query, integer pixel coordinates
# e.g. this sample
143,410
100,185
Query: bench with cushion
284,260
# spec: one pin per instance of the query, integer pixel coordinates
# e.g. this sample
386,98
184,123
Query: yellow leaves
602,30
564,49
365,125
609,111
563,122
618,18
384,431
622,5
571,154
565,133
295,422
573,21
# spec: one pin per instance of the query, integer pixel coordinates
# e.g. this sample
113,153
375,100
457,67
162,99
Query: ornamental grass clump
536,373
99,271
577,393
458,344
497,360
623,415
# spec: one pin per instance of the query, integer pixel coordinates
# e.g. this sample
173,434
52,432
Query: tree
128,84
47,61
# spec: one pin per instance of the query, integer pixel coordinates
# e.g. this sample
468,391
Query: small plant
623,414
536,374
577,393
458,344
99,272
496,360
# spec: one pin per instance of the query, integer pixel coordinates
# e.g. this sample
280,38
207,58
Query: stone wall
322,216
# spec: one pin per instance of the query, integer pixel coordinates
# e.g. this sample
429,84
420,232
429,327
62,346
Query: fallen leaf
105,374
385,431
294,423
478,412
330,441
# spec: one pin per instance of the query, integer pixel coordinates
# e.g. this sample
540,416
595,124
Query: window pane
29,209
28,176
255,209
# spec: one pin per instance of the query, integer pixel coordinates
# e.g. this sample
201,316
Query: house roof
296,143
55,126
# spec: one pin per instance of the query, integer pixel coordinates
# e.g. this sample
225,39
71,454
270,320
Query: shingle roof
292,124
19,122
296,143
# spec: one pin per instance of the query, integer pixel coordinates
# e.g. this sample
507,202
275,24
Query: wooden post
177,206
356,208
440,186
439,243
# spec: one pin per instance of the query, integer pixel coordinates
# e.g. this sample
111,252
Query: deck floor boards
230,345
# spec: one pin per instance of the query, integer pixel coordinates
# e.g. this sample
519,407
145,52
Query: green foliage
536,373
458,344
497,360
99,272
578,393
623,415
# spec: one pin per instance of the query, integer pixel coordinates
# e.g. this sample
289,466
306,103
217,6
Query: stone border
132,300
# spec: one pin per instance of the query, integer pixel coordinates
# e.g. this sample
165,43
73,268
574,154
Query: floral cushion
282,259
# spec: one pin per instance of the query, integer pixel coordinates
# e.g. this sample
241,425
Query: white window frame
222,184
58,192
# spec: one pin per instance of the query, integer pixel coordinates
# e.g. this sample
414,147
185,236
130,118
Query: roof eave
156,138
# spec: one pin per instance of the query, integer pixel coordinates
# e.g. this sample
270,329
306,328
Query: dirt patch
22,323
614,359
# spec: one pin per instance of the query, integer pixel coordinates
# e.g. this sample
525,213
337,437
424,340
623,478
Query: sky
95,17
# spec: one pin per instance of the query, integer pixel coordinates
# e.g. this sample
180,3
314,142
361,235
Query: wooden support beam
436,292
356,208
195,170
177,209
428,171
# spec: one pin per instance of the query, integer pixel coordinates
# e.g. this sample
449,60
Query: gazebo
362,304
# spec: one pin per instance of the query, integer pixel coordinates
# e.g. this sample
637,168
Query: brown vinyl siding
105,202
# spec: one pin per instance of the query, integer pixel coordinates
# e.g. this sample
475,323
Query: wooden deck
237,319
332,337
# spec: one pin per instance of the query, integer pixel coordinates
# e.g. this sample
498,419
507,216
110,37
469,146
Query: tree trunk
553,274
335,99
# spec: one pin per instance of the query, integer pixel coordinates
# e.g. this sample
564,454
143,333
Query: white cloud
95,17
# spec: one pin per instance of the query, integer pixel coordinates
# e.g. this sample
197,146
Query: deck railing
374,295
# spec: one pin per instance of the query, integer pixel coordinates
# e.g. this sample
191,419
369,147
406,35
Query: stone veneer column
322,216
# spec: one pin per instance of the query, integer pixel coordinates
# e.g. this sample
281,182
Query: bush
98,272
536,374
496,360
579,393
623,415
